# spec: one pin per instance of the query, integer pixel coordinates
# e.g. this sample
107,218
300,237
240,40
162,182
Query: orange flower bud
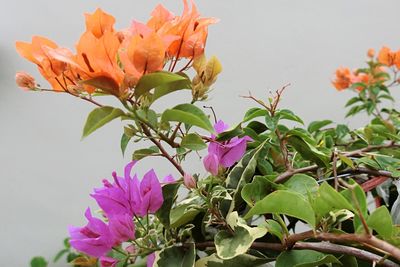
371,53
25,81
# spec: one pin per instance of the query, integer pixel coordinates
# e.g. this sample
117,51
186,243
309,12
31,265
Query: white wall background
47,172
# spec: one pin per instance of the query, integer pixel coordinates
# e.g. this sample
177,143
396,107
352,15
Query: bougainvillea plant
315,195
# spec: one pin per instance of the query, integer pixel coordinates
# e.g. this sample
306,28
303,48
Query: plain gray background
47,172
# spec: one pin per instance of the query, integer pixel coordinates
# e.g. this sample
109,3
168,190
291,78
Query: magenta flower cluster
224,154
120,200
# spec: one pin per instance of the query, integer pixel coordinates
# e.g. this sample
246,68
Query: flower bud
25,81
211,163
371,53
189,181
108,262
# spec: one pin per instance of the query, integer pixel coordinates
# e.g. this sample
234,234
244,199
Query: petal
220,126
233,154
211,163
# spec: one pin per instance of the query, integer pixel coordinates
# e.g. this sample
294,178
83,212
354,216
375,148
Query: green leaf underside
99,117
156,79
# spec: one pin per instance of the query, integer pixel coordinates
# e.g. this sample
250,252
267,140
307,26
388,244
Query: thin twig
289,173
147,132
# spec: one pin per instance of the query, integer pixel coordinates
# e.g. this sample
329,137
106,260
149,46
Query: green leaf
155,79
274,228
124,142
308,151
342,130
60,254
99,117
229,134
317,125
271,122
302,184
328,199
183,214
257,127
352,101
193,141
244,260
171,87
356,196
289,115
145,152
284,202
188,114
305,258
346,161
242,173
381,221
176,257
254,113
230,245
169,194
256,190
38,262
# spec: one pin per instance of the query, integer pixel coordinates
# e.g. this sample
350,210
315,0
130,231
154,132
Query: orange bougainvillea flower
360,78
99,22
388,57
159,17
343,79
96,60
56,72
190,28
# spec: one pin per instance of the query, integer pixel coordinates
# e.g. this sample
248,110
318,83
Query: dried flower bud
371,53
25,80
189,181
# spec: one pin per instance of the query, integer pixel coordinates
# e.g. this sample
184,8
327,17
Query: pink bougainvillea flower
150,194
122,227
94,239
224,154
108,262
150,259
128,195
169,179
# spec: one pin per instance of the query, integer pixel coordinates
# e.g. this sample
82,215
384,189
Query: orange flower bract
113,61
343,79
54,71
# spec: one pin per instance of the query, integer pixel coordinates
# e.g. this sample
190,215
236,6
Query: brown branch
165,154
324,247
68,92
289,173
371,241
